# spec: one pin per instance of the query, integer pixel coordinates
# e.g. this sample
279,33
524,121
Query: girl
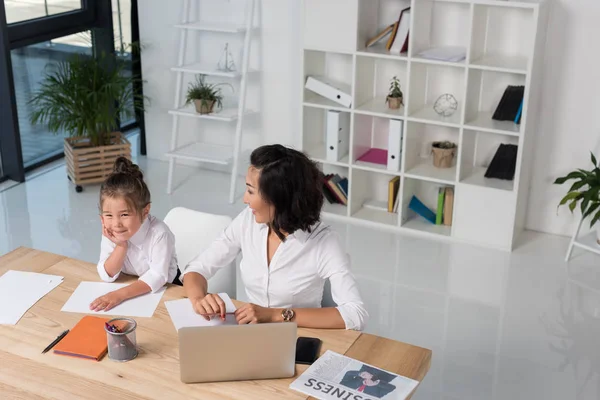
133,241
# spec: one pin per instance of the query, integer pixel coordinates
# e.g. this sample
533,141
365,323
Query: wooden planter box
87,164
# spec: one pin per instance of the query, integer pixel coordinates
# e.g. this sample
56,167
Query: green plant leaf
572,175
595,219
577,185
569,196
572,205
591,209
594,159
591,195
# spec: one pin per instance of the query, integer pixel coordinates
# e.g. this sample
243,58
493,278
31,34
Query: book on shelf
510,105
448,206
440,206
393,189
333,189
421,209
386,31
400,36
504,163
397,202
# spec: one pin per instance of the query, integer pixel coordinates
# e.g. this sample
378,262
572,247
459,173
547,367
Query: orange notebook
87,339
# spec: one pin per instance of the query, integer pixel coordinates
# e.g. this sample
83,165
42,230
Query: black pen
58,339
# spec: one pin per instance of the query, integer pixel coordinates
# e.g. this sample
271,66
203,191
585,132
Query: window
25,10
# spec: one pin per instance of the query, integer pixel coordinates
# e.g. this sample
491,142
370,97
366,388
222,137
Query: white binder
338,135
395,144
334,91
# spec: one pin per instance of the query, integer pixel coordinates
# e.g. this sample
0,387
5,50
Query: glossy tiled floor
524,325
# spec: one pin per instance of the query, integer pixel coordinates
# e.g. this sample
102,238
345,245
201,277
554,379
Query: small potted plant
395,98
205,95
586,191
443,153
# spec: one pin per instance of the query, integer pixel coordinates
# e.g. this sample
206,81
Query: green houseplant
84,97
395,98
205,95
585,190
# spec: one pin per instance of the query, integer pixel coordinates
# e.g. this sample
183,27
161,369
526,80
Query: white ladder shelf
200,151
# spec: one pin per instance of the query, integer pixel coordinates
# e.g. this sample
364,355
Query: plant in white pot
205,95
395,98
586,191
84,98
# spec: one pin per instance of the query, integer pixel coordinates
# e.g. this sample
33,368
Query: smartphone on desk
307,350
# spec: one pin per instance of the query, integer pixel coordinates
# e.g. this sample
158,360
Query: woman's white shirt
297,273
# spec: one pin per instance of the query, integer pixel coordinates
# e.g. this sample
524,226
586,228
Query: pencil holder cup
121,339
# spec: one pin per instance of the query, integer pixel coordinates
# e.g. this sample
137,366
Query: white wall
569,125
272,53
570,121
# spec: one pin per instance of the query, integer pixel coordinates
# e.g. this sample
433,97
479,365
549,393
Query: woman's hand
107,302
209,305
252,314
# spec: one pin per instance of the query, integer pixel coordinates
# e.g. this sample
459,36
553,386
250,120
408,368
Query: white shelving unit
233,111
504,43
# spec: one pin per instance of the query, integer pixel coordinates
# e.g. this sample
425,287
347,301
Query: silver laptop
237,352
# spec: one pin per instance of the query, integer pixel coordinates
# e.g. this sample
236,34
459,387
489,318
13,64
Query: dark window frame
94,15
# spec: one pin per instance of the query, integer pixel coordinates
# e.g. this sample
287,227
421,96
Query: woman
287,253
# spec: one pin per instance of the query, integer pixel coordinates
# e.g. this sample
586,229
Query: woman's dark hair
126,181
292,184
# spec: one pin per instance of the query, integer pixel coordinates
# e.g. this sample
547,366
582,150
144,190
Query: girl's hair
126,181
291,183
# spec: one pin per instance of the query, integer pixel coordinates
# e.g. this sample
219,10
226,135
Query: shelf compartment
428,82
336,67
484,92
372,85
344,172
369,197
374,133
314,136
427,193
438,24
374,18
418,160
477,151
502,37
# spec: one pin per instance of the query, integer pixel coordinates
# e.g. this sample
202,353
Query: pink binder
375,156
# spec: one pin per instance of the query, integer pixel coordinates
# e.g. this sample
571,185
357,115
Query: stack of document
445,53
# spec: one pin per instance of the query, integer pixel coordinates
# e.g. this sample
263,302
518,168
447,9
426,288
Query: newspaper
334,376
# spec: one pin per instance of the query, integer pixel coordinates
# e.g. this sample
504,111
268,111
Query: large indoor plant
85,97
585,190
205,95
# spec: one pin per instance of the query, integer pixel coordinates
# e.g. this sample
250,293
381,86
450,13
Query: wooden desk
25,373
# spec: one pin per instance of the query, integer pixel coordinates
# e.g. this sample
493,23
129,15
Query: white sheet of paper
183,315
86,292
20,290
